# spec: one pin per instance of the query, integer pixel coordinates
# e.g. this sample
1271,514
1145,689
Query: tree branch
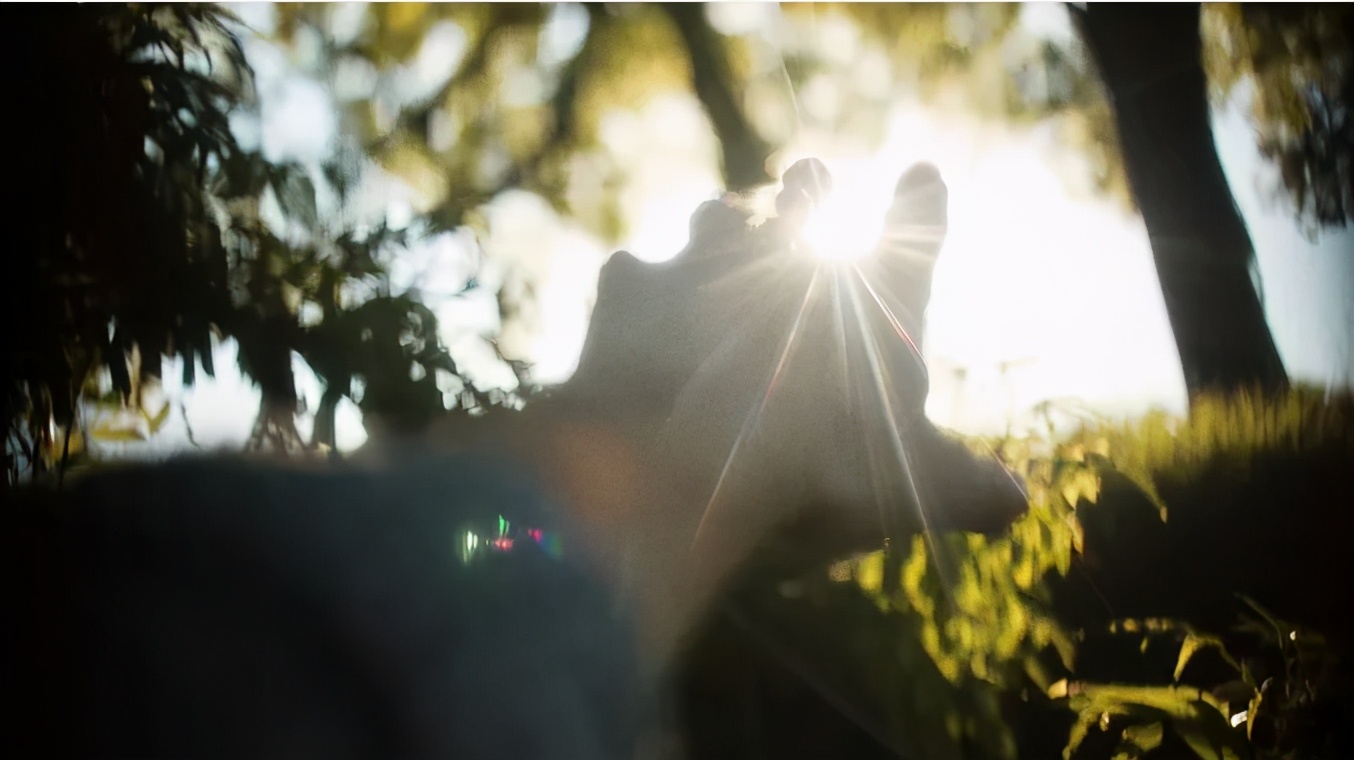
744,151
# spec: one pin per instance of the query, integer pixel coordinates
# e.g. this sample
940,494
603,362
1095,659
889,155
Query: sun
845,227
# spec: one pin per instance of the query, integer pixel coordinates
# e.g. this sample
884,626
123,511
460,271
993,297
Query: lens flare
843,228
755,413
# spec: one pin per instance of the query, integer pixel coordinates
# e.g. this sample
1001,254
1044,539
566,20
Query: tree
109,176
143,235
1160,74
1153,68
1294,61
465,134
1156,132
745,153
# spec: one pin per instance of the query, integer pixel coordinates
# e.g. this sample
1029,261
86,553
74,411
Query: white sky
1038,295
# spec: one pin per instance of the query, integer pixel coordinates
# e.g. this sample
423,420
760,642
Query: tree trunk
325,431
1150,59
744,151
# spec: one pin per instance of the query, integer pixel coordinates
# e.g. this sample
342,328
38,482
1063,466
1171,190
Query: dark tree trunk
1150,59
744,151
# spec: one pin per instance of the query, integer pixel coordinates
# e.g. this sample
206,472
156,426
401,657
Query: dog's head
767,365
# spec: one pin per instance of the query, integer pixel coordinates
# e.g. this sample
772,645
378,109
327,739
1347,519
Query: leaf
1038,674
1187,650
1077,532
1078,733
295,193
157,420
1084,484
1253,710
1194,643
1207,744
1139,740
1263,613
1180,702
111,434
870,572
1146,737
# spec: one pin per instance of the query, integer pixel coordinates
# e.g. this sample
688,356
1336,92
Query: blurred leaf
1210,740
1253,710
1083,485
1299,63
295,193
157,420
1192,644
1139,740
109,433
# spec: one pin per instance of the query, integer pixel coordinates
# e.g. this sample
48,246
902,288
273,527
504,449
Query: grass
1178,588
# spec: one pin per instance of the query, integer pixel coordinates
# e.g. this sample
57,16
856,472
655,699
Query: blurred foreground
1171,587
1095,626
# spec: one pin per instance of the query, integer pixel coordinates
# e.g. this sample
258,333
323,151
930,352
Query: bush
1141,606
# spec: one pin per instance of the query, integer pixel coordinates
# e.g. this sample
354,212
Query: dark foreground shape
732,394
224,609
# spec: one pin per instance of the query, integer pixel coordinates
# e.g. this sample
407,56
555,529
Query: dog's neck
638,492
691,430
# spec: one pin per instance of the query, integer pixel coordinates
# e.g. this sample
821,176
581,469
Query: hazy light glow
1038,293
845,227
897,456
754,415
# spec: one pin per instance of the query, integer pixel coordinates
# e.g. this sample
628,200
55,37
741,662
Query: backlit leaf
111,434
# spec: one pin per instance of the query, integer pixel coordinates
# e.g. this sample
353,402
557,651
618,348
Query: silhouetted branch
744,151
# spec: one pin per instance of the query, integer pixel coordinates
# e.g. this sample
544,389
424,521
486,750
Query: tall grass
1128,613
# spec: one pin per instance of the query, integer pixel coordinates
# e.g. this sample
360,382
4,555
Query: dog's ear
893,288
920,197
616,328
914,232
653,325
805,184
717,225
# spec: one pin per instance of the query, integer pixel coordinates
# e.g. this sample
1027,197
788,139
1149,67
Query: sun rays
871,361
897,456
754,414
843,230
898,330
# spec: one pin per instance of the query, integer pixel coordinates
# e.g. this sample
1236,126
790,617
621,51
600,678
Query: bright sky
1038,294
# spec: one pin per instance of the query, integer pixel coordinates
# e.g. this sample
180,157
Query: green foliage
1192,713
120,247
1296,59
475,134
1261,706
972,59
977,607
145,236
974,638
1230,431
1221,471
506,115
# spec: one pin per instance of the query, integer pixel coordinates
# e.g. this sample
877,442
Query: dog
520,584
